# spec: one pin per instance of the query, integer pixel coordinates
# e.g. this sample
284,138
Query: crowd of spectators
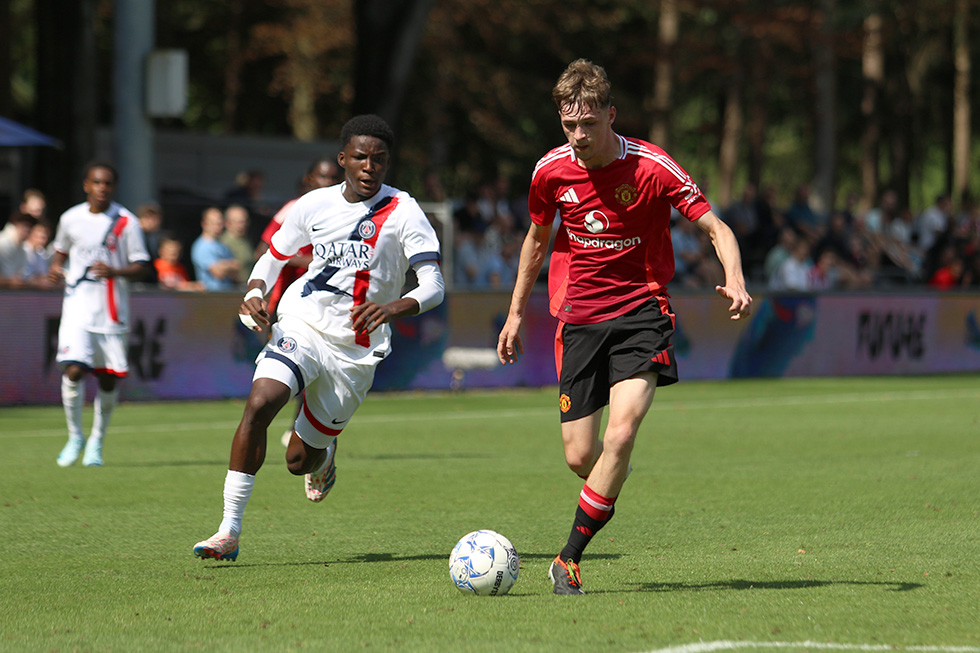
488,230
801,249
25,250
791,247
788,248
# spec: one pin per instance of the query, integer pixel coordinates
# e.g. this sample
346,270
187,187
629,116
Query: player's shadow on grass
551,556
388,557
274,460
174,463
365,557
392,557
423,456
739,584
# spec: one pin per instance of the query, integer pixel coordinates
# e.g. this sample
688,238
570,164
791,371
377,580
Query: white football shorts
299,356
102,353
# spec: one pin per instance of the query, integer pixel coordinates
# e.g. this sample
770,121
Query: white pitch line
707,647
664,405
804,400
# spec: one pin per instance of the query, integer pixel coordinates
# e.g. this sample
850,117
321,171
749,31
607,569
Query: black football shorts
591,358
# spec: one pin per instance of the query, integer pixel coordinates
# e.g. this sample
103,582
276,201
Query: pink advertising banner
192,346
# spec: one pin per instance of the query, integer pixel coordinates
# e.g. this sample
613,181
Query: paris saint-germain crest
286,344
366,229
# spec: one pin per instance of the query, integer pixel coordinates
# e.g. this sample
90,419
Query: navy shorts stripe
85,366
274,355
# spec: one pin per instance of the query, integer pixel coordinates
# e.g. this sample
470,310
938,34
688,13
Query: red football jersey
612,251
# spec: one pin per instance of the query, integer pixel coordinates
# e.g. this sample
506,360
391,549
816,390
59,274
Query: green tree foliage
477,102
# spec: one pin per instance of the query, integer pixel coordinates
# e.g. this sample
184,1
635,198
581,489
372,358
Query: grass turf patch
824,510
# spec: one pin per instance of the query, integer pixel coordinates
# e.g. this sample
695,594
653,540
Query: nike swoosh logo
317,228
337,421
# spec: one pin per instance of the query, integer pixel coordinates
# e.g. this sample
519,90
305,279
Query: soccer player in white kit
333,321
103,245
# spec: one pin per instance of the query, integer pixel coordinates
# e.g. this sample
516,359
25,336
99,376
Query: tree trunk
961,102
873,70
65,102
901,136
664,80
303,75
730,135
825,163
233,69
758,113
388,35
6,69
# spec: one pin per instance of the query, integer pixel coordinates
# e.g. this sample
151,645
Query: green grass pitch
803,514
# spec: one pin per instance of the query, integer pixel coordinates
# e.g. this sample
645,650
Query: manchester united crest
564,403
626,194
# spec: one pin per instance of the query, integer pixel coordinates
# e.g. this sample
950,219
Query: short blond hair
583,84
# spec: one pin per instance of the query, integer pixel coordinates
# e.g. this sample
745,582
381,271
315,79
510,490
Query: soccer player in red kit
321,173
607,280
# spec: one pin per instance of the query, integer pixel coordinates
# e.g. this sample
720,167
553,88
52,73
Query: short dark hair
98,163
367,125
16,217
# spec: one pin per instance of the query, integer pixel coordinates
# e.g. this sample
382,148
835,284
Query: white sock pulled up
73,399
238,489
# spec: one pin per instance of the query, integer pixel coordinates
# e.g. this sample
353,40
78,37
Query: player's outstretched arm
533,251
726,247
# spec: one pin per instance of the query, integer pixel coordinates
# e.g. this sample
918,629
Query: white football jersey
99,305
361,253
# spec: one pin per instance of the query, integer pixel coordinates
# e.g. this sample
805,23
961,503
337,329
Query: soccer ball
484,563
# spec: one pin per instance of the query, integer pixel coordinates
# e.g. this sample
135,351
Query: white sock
329,457
105,403
73,399
238,489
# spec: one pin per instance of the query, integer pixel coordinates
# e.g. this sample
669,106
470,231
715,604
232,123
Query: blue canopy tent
17,144
13,134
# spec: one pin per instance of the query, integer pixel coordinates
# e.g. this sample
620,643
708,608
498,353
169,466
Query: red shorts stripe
108,372
663,300
322,428
559,347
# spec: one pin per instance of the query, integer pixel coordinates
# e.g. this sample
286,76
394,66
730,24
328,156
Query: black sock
593,512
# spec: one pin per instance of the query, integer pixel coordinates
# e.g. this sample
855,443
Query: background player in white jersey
607,281
333,321
103,245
